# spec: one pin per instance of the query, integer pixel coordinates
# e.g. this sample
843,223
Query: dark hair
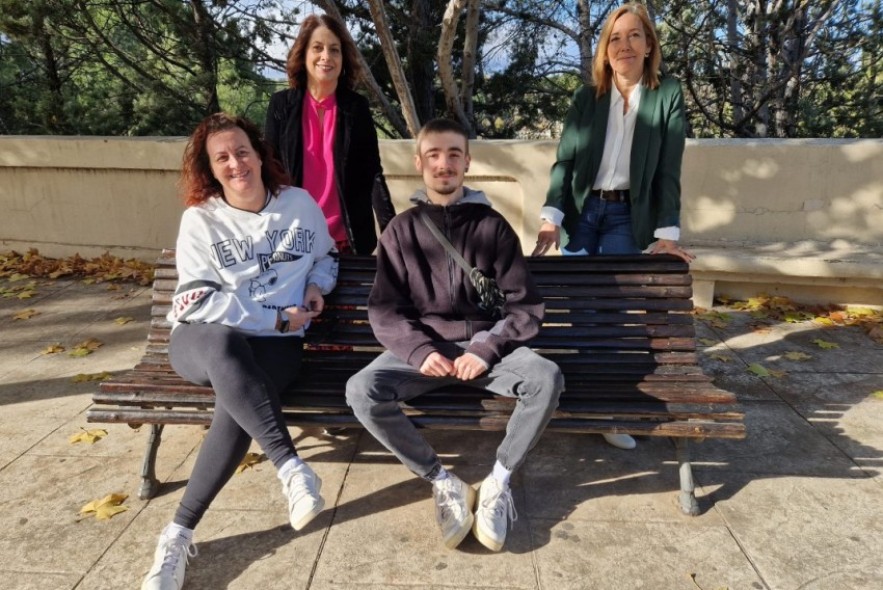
441,126
197,182
295,64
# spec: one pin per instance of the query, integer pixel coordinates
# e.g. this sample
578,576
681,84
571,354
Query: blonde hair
602,73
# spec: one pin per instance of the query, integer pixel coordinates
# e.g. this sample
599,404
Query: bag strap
433,228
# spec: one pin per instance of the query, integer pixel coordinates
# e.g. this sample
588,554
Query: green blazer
655,165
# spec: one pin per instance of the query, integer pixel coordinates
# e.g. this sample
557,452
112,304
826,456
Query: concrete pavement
797,505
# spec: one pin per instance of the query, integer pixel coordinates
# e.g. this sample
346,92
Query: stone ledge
842,272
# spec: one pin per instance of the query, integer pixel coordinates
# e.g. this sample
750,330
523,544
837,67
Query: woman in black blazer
335,158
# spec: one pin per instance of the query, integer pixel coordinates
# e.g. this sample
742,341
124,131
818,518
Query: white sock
442,474
176,530
501,474
289,466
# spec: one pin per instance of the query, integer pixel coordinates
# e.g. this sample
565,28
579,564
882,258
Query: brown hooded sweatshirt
421,296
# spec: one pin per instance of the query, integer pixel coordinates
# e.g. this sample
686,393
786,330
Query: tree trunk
445,62
736,90
470,48
586,53
420,50
208,61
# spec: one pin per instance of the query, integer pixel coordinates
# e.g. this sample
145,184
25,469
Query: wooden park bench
620,328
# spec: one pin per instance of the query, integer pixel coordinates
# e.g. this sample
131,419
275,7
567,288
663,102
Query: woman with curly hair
254,259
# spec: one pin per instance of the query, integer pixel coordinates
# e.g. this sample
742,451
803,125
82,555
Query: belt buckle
612,195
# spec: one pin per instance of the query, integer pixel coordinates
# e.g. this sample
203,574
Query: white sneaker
620,441
304,502
495,508
169,562
453,509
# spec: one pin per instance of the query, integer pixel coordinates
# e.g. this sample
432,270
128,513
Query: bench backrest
603,313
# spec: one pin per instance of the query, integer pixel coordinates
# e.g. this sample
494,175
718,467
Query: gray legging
247,374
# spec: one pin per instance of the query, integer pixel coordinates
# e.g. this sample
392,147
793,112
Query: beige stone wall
90,195
778,212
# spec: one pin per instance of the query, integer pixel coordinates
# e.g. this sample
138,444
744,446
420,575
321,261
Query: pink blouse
318,136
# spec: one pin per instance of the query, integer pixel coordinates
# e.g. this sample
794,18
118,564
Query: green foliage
117,67
156,67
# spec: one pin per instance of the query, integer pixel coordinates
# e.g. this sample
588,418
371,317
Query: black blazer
357,169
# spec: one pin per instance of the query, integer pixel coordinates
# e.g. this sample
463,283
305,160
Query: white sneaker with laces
453,509
302,488
495,508
169,562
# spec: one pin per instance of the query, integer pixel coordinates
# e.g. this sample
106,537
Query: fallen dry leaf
721,357
839,316
796,355
18,267
107,507
796,316
862,312
250,460
123,320
86,347
758,370
53,348
84,377
877,394
824,344
716,319
708,341
89,436
781,304
25,314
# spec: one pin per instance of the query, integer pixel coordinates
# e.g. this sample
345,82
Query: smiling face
237,166
324,58
443,160
627,48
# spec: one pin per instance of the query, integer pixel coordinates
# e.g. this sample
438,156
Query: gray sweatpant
374,394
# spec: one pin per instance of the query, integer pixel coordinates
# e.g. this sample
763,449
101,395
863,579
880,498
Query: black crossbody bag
490,295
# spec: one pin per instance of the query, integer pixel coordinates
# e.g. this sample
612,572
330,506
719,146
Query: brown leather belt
616,195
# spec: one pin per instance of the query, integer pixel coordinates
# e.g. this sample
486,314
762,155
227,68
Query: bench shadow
34,390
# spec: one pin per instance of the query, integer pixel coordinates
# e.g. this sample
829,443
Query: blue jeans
604,227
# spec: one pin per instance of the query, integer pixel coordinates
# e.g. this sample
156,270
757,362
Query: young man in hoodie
425,311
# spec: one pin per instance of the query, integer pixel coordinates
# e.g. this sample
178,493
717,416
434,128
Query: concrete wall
90,195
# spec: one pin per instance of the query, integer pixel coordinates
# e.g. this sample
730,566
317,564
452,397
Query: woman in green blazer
616,184
620,152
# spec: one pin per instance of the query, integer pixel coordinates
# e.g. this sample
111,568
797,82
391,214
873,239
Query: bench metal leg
688,502
149,482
